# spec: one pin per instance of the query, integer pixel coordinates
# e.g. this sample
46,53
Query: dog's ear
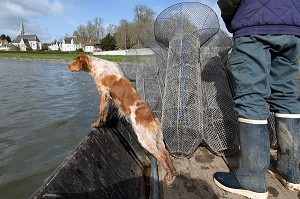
85,62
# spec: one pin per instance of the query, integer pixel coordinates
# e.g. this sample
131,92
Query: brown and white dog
113,85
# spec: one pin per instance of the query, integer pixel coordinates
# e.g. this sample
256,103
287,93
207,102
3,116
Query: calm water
45,111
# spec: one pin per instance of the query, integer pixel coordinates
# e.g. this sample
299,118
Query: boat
107,163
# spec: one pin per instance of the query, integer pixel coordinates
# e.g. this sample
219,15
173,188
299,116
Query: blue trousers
264,68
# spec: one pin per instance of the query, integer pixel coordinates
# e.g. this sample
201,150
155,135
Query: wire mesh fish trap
185,84
181,113
220,130
183,28
147,85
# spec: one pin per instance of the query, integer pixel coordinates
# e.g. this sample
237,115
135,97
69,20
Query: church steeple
22,32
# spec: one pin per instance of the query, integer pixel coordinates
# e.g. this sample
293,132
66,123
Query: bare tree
143,14
80,34
92,32
98,21
111,29
143,18
128,34
123,34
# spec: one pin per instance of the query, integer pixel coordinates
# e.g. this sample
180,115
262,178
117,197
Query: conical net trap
192,103
185,83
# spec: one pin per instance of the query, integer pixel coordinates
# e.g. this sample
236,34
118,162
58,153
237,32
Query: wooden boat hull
107,163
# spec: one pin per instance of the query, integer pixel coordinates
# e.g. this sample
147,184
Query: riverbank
54,56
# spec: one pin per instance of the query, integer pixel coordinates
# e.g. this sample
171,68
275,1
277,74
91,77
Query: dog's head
80,63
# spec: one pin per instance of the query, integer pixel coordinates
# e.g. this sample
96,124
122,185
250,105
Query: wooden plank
195,178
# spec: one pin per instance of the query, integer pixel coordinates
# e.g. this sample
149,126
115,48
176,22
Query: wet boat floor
194,178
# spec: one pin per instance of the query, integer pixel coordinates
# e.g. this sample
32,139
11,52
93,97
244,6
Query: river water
45,111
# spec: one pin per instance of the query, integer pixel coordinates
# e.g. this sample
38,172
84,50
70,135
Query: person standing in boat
264,64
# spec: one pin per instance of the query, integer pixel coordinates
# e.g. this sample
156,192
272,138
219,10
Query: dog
113,86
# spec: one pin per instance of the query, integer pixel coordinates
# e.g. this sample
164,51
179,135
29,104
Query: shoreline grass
54,56
63,56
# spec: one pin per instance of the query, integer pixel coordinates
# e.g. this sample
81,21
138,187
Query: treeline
126,35
3,37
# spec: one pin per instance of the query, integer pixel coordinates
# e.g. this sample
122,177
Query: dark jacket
250,17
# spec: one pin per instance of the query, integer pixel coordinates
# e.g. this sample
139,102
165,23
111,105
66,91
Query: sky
53,19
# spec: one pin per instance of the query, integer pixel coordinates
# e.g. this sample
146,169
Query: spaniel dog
114,87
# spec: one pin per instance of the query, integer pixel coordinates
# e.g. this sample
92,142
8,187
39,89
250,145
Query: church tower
21,32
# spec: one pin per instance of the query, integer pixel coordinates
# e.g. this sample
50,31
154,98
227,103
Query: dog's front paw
95,125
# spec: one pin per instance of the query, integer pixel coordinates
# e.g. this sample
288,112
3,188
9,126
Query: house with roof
3,42
4,45
27,42
70,44
55,45
92,47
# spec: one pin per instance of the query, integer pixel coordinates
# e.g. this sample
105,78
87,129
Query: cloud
32,8
13,11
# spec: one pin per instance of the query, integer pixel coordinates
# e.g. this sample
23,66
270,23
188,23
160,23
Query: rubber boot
286,168
249,178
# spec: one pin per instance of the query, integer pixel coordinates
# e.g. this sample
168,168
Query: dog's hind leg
149,142
162,156
162,148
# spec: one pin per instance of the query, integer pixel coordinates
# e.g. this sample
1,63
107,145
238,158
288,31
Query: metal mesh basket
189,18
197,102
147,85
182,120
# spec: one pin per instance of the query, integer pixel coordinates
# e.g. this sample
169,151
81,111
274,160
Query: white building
69,44
27,42
4,45
55,46
92,47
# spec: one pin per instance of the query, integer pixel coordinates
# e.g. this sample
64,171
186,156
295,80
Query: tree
123,34
143,18
3,37
80,34
108,43
111,29
126,35
7,38
92,32
99,30
129,34
143,14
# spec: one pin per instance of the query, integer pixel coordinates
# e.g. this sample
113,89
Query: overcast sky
53,19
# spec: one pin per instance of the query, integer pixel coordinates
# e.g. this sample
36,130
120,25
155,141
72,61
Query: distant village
25,42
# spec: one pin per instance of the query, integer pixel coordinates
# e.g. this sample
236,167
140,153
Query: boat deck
195,178
109,163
